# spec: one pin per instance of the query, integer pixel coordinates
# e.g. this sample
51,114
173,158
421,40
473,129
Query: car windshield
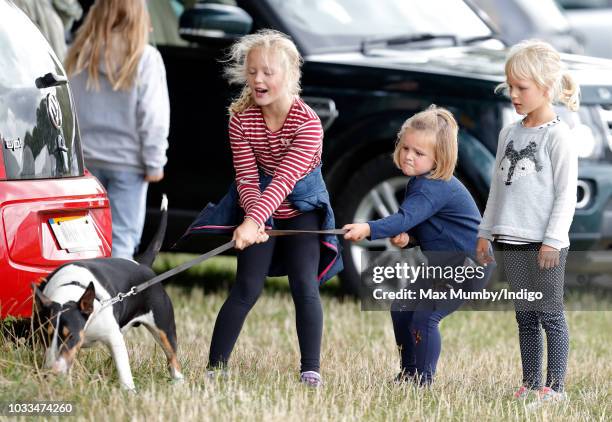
328,25
554,22
37,125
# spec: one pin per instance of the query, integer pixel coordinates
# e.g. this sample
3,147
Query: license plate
75,234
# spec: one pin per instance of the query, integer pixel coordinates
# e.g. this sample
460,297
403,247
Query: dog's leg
163,329
122,362
160,336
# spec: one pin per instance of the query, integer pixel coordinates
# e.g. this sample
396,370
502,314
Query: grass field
477,373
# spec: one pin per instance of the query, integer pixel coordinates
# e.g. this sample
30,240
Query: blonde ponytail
570,92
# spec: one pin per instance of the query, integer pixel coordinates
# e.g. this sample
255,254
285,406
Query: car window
325,24
585,4
37,124
165,22
554,22
165,16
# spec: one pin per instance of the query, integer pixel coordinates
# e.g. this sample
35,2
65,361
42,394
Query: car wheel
375,191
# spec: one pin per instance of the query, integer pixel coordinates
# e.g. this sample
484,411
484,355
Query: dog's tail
148,256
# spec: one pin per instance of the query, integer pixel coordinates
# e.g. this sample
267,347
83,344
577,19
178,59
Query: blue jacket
442,215
309,193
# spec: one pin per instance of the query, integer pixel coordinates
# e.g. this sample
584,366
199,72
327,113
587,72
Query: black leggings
300,254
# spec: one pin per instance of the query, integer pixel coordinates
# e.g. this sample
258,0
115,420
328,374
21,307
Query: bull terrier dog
72,294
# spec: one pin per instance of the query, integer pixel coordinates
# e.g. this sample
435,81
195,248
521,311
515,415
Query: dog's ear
40,299
86,301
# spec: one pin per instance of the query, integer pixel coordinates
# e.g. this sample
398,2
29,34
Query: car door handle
49,80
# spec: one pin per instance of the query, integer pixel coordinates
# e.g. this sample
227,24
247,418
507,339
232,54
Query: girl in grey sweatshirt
121,95
531,206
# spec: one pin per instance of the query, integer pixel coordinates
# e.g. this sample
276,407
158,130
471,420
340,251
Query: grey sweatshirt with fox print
533,189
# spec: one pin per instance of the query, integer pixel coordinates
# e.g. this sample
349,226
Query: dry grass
478,370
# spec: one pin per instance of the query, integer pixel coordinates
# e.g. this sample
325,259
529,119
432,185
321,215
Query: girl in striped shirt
275,135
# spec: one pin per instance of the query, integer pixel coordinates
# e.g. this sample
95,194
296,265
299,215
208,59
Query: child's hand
548,257
483,246
356,231
262,236
246,234
152,178
401,240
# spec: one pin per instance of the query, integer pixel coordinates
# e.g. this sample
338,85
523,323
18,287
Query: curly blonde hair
441,125
538,61
271,41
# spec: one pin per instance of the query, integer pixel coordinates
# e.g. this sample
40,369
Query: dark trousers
300,254
417,335
417,324
523,272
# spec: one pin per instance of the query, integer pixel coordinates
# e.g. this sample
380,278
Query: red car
51,209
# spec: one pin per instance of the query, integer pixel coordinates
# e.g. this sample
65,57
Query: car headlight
588,130
606,116
587,145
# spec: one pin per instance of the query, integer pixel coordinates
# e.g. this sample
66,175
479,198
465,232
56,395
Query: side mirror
208,21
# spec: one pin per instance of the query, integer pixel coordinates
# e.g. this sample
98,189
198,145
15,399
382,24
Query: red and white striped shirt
287,155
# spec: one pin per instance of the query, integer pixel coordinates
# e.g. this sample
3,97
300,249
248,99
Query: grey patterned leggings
522,272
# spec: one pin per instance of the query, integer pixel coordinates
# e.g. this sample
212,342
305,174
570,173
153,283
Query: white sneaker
311,379
217,374
547,395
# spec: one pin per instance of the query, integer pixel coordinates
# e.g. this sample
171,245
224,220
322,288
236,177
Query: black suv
368,65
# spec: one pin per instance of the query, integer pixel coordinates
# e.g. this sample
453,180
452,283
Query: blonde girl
276,141
439,213
531,205
121,95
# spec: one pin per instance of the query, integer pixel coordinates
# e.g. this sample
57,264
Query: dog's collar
76,283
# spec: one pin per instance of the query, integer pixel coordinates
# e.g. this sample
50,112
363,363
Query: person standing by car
120,90
276,142
531,206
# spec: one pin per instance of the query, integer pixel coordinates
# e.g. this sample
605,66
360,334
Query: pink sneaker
522,393
547,395
550,395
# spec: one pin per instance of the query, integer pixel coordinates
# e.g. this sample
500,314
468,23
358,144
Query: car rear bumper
29,249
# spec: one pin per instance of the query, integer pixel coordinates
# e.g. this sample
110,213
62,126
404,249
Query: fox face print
516,164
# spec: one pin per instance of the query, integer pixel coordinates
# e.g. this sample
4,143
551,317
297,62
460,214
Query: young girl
276,141
120,90
439,212
531,205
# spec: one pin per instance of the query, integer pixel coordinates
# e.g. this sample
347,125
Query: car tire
374,191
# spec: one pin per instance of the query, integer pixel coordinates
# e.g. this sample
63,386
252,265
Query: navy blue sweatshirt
441,215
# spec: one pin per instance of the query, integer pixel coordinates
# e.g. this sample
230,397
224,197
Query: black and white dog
75,291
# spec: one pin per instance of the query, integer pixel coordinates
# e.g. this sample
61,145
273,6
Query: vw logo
54,111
